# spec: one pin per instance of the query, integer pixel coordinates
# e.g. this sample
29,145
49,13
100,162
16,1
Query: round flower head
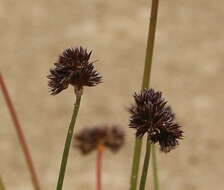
90,139
73,67
151,115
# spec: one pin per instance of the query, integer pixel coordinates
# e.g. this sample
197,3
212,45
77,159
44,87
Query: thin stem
2,187
68,142
136,161
145,165
150,44
154,167
145,85
20,135
99,167
149,56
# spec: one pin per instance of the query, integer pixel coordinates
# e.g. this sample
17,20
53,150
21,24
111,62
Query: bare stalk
20,135
2,187
68,140
99,167
145,165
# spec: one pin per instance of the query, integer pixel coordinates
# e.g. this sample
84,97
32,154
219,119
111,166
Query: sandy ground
188,68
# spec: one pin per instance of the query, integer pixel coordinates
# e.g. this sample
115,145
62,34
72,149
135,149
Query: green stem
136,161
2,187
68,141
145,85
149,56
154,167
150,44
145,165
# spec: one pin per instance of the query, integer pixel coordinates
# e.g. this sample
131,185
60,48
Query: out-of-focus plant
99,139
2,187
20,135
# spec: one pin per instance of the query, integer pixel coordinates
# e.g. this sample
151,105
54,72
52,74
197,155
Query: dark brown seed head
151,115
90,139
73,67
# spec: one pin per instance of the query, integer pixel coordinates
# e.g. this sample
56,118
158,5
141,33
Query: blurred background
188,68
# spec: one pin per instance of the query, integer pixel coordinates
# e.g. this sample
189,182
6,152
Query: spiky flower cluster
151,115
90,139
73,67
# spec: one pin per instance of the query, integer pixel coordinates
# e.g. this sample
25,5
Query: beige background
188,68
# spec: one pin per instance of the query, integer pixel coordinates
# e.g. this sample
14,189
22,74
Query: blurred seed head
90,139
73,67
151,115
